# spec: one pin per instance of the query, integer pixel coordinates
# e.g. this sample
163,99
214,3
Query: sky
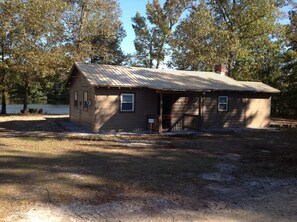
129,9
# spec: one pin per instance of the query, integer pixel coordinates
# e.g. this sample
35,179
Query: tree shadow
47,127
98,173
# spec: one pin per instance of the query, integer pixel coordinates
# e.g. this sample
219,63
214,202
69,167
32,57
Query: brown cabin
117,98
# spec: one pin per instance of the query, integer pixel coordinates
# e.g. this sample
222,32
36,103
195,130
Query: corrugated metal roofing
260,87
160,79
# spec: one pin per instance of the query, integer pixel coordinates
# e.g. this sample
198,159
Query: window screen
223,103
127,102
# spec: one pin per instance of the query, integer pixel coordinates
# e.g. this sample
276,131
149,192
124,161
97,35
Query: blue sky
129,9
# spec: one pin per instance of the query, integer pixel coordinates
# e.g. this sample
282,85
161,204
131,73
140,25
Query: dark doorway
167,107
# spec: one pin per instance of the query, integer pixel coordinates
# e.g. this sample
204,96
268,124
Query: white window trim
226,103
133,102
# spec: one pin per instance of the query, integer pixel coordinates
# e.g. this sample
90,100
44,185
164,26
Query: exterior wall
185,104
258,111
80,116
107,109
233,118
244,110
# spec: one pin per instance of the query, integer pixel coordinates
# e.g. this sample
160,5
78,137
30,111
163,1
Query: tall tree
40,39
5,41
36,31
237,29
145,42
94,30
289,80
195,41
107,49
151,39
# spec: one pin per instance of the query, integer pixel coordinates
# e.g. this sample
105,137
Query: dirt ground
48,173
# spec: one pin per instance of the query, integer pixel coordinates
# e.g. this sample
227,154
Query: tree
36,31
5,41
40,39
195,41
232,31
145,42
94,31
107,50
151,39
289,78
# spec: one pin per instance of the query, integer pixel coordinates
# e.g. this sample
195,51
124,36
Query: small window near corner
75,99
223,103
85,100
127,102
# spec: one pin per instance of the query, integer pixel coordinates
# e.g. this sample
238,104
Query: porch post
161,113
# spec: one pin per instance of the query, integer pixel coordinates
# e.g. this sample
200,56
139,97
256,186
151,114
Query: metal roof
166,80
260,87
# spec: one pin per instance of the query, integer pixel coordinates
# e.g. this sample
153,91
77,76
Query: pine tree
151,39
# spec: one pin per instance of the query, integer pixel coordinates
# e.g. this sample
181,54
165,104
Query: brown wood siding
258,109
80,116
233,118
184,105
244,110
107,111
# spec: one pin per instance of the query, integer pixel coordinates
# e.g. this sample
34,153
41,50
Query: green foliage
36,32
232,32
151,39
40,39
145,42
288,82
94,31
107,49
195,41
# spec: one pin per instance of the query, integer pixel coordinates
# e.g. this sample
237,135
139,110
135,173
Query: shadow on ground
210,172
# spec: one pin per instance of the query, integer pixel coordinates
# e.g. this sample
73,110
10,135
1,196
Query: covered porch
178,111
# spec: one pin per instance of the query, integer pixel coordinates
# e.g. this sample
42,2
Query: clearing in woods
49,174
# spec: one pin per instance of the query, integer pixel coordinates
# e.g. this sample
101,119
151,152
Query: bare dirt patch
53,175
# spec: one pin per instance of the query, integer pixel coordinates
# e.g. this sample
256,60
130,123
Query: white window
223,103
127,102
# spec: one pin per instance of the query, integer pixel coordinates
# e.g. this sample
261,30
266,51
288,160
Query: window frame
85,102
133,102
75,99
224,103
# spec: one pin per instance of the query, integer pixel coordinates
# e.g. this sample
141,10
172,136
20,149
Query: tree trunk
3,110
151,55
159,59
80,30
230,68
26,95
3,102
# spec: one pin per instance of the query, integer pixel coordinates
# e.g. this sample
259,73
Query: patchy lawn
47,174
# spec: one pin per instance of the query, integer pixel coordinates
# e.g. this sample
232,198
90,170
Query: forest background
40,40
